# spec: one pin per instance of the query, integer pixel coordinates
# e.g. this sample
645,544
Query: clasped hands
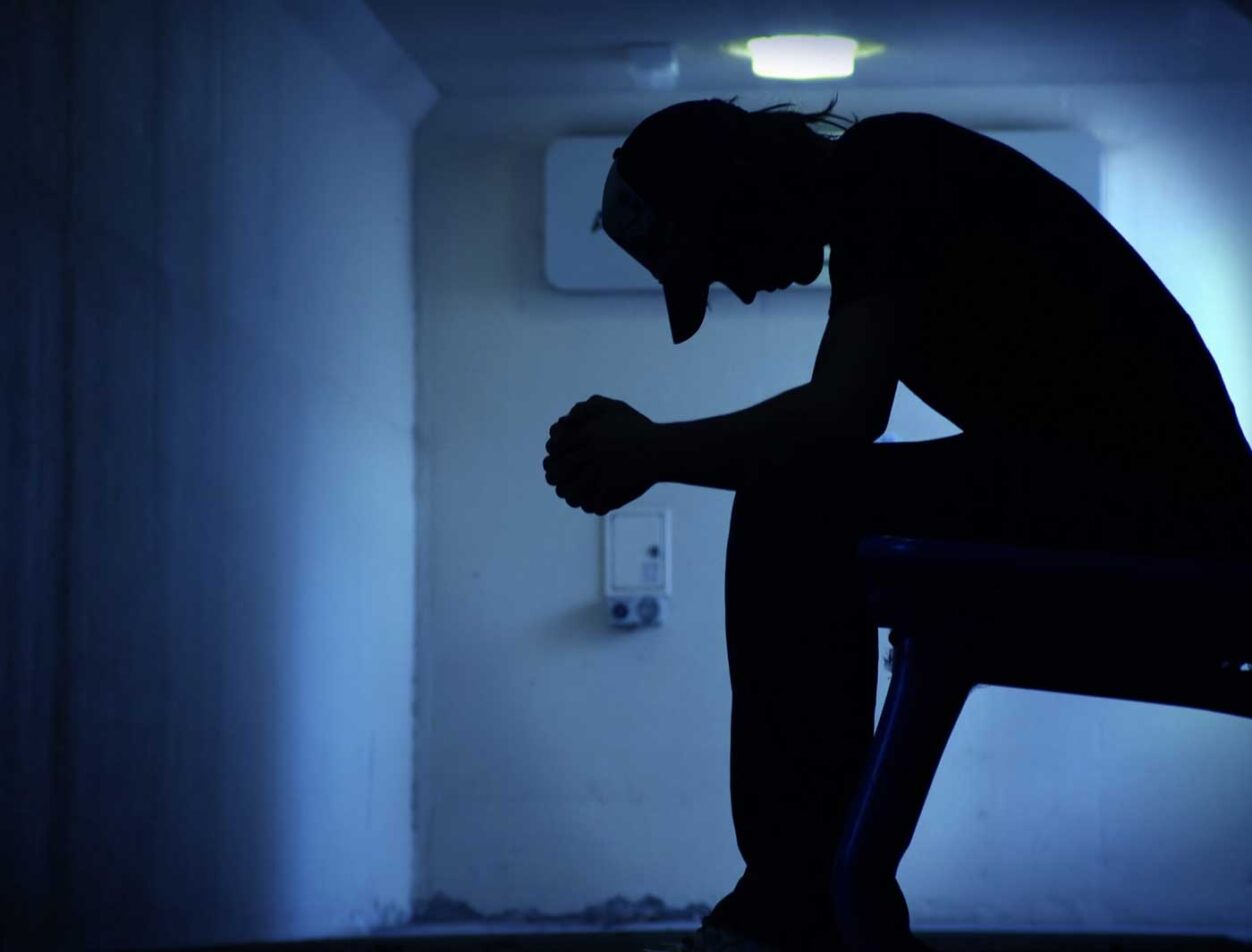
600,455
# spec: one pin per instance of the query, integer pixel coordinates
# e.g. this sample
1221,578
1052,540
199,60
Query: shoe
713,939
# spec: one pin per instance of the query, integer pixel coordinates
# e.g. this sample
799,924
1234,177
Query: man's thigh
962,488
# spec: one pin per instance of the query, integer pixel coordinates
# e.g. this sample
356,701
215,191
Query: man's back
1030,319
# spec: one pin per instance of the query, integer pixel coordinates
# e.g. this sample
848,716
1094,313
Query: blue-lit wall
208,474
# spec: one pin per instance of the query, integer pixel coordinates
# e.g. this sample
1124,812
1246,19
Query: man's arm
847,401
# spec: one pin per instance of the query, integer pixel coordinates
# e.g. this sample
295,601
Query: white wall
570,763
209,500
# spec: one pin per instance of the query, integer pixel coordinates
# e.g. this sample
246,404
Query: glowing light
802,56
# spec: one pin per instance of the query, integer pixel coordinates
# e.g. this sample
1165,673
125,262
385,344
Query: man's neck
833,190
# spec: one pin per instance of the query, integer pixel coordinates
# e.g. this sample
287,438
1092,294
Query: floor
639,939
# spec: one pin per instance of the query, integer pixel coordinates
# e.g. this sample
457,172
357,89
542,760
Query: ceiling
546,47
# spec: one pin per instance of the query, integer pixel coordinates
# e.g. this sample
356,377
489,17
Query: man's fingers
566,440
589,407
593,505
578,414
565,469
564,427
580,490
577,481
566,463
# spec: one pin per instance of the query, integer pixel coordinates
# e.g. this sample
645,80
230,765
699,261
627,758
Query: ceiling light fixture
804,55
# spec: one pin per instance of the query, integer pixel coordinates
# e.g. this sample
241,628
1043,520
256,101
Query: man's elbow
861,420
877,427
882,412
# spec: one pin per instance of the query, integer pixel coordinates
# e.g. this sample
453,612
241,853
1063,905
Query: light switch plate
637,556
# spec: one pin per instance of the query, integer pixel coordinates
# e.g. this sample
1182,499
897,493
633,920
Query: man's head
705,191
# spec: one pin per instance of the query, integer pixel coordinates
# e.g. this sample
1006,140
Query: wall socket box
637,562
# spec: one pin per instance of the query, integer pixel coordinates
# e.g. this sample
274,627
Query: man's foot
712,939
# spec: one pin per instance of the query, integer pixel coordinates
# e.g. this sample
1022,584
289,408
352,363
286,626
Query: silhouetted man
1092,416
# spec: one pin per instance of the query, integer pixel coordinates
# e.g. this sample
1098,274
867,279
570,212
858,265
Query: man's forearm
730,451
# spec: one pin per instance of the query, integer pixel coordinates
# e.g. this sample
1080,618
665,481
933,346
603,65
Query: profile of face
766,241
762,238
